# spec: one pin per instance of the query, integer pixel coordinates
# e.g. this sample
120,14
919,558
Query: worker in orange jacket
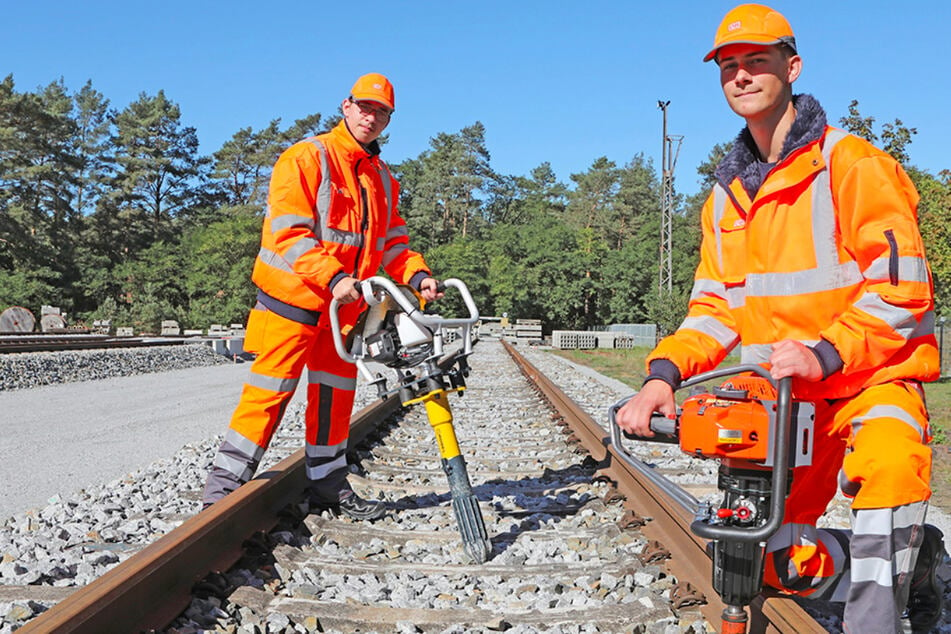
331,221
812,261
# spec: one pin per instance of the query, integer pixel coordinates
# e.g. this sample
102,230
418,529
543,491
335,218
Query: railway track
10,343
580,540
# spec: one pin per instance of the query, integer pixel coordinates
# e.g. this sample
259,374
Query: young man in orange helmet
812,261
331,221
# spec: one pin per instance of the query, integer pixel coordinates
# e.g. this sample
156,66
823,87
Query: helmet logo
734,26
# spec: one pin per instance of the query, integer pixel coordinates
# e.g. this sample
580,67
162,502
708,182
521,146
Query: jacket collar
742,161
353,147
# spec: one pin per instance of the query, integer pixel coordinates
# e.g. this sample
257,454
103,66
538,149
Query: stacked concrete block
564,339
605,339
102,326
587,340
528,330
624,342
170,328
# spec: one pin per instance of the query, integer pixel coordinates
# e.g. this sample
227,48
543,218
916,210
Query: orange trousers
874,447
284,348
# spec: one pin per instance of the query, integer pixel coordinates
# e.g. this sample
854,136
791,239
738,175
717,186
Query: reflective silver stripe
884,521
299,248
325,451
394,233
319,472
384,173
707,287
394,251
240,469
759,352
801,282
339,236
755,353
334,381
325,188
286,221
244,445
910,269
888,411
713,327
273,259
380,244
397,232
823,216
736,296
719,210
872,569
272,383
902,321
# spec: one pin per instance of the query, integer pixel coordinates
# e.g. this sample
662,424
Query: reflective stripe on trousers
285,348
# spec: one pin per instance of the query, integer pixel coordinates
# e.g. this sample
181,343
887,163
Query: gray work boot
926,598
346,502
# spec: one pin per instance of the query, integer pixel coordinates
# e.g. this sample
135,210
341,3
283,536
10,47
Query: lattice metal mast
668,162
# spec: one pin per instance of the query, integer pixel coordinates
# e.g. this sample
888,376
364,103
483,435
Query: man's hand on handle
635,416
792,358
429,289
347,290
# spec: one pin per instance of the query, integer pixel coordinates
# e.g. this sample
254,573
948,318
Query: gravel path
69,434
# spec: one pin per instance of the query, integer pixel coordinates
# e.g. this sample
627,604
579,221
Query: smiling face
757,79
366,120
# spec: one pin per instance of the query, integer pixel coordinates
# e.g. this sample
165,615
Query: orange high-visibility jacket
828,249
331,210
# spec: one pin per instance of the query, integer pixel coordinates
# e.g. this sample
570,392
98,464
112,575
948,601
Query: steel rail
669,521
51,343
151,588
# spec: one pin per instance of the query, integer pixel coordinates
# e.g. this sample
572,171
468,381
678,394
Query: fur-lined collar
743,161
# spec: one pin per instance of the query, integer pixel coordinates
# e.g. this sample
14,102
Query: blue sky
563,82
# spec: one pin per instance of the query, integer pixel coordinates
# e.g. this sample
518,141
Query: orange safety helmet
752,24
374,87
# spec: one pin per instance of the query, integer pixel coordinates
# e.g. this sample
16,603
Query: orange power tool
758,434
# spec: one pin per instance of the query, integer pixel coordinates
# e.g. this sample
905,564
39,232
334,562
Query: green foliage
934,215
442,190
216,270
895,136
114,214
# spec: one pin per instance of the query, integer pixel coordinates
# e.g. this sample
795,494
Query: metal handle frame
375,289
780,454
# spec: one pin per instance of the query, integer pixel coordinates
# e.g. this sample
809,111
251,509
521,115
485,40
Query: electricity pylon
667,163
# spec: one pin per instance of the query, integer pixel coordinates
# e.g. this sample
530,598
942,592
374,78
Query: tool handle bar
665,429
730,371
335,331
374,290
371,284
